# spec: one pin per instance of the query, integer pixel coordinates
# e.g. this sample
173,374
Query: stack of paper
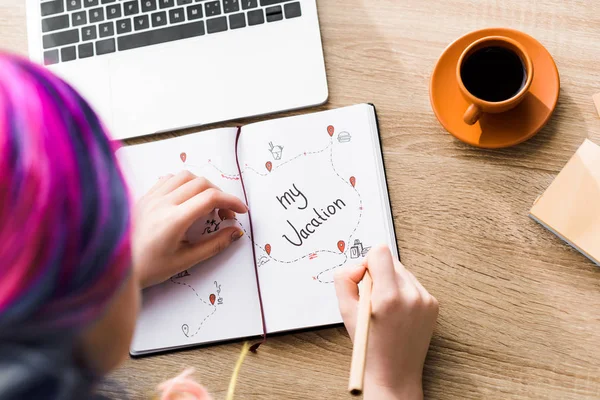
570,207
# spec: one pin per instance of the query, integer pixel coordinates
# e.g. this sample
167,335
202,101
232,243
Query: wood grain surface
520,310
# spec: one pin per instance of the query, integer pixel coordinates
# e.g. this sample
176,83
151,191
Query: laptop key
248,4
60,38
105,46
88,33
166,3
51,57
124,26
194,12
293,10
148,5
73,5
184,2
212,8
256,17
90,3
162,35
231,6
52,7
108,1
86,50
68,54
141,22
274,14
131,8
106,29
79,18
215,25
55,23
97,15
264,3
113,11
159,19
237,21
177,15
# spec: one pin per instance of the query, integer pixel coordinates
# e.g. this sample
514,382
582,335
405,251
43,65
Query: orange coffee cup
488,76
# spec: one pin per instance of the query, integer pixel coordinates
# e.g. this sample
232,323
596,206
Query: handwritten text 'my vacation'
295,198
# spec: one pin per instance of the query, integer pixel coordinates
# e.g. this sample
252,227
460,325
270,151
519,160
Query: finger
205,202
175,181
346,282
409,292
381,266
190,189
422,291
216,243
226,214
161,181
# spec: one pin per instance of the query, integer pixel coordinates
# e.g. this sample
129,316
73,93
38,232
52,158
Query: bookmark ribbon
255,346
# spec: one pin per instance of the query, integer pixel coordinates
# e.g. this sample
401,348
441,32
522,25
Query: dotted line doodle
306,153
185,327
231,177
360,207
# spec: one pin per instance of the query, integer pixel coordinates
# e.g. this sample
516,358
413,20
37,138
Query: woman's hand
166,213
403,318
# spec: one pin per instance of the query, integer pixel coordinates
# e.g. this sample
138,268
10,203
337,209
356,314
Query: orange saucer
495,130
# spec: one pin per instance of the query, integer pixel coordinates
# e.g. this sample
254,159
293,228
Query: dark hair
64,229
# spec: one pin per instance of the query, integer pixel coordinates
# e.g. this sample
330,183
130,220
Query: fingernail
222,215
236,235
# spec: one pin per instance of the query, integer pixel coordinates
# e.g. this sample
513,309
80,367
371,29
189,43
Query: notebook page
216,300
318,202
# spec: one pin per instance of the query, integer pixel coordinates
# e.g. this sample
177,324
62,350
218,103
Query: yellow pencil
361,337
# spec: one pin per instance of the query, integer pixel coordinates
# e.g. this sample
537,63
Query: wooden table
519,309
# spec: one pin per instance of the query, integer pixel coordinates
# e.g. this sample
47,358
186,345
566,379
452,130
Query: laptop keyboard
76,29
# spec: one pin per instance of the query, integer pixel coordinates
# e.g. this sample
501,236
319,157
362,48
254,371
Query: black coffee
493,73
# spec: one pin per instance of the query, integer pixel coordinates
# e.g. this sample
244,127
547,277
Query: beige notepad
570,207
596,99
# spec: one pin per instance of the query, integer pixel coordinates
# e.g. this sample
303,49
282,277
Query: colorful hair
64,205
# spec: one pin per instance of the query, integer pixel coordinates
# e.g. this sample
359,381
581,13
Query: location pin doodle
268,249
183,157
186,329
269,166
341,245
330,130
352,181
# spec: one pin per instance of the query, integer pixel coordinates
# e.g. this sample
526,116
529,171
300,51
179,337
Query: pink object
183,387
330,130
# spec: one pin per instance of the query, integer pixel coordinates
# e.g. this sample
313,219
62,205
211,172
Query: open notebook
318,198
570,207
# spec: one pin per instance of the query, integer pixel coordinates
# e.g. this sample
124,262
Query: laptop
150,66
